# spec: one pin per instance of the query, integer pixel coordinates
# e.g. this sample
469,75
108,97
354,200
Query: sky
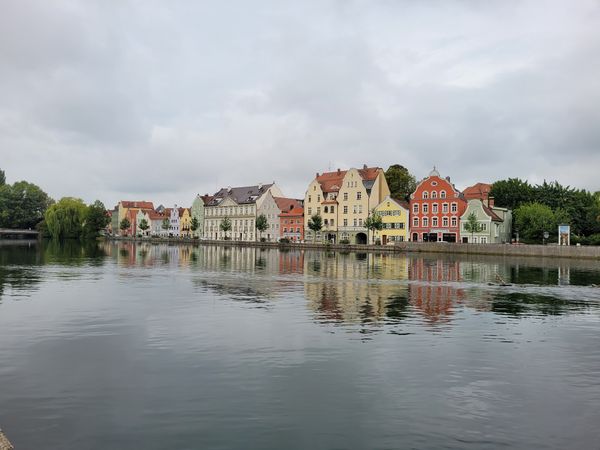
160,101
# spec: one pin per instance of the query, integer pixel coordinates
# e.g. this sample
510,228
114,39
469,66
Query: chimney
338,171
448,179
259,186
364,166
317,176
490,201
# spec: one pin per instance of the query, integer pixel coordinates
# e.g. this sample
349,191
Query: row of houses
435,212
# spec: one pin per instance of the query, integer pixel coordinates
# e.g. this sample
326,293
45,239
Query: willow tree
66,218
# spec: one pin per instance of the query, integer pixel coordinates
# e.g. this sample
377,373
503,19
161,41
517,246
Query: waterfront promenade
543,251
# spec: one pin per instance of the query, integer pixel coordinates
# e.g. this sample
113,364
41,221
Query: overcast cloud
160,100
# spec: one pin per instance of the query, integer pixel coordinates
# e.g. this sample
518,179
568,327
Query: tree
143,225
125,225
373,223
165,224
22,205
66,218
194,225
533,219
472,225
2,178
261,224
512,193
225,226
400,181
315,224
96,219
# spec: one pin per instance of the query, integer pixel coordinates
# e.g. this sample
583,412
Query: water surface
127,346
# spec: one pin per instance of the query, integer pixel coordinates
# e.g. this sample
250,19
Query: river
139,346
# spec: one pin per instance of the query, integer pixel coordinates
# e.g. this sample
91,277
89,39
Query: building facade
291,219
197,212
495,224
395,217
435,210
344,199
128,209
240,205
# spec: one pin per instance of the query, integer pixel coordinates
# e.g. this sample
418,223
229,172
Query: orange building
435,210
291,219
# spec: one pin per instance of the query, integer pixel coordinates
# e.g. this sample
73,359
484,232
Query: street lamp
546,235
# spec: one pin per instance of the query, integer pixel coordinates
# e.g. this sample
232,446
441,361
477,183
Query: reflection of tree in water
521,303
19,278
72,252
397,306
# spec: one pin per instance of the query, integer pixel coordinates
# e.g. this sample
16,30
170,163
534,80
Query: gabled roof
287,204
240,195
137,204
155,215
331,181
490,212
206,198
478,190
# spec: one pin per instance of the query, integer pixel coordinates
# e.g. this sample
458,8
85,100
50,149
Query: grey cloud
163,101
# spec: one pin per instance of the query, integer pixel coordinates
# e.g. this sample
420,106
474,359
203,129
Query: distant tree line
541,208
24,205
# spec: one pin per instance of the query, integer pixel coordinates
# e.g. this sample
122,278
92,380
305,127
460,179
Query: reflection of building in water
431,293
291,261
354,287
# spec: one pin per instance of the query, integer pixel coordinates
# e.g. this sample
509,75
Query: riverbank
543,251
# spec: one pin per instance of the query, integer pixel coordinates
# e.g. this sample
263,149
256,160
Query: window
434,222
358,195
354,222
332,222
309,211
285,230
325,222
309,199
345,196
345,222
483,240
425,208
454,207
444,221
360,209
443,194
415,221
433,194
445,208
425,222
360,222
318,210
483,227
453,221
425,194
416,208
319,198
326,210
332,209
345,209
434,208
354,209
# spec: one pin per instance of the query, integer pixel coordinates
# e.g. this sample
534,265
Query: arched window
326,210
443,194
425,194
433,194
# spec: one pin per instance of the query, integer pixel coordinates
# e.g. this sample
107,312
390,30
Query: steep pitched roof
478,190
287,204
331,181
491,213
206,199
137,204
241,195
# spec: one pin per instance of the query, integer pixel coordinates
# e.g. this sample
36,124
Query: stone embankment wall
543,251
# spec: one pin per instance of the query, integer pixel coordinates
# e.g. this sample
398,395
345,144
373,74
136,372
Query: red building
291,219
435,210
479,191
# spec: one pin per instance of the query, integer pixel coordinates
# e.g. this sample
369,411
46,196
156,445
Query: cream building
240,205
344,199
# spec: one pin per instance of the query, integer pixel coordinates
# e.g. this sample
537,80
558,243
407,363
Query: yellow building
395,217
344,199
185,222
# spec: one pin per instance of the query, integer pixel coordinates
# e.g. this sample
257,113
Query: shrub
284,240
262,239
345,241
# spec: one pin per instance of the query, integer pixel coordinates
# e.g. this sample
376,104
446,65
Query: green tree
225,226
124,225
2,178
143,225
261,224
400,181
315,224
66,218
165,224
22,205
472,225
512,193
373,223
96,219
194,225
533,219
